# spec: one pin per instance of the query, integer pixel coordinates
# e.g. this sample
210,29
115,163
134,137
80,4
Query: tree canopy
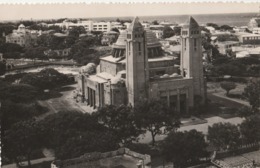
224,136
184,148
45,79
227,86
121,121
252,94
156,117
250,129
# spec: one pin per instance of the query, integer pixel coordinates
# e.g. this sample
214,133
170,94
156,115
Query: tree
76,31
156,117
224,136
115,30
213,25
155,22
225,27
18,93
167,32
249,129
227,86
35,53
10,47
252,94
120,120
48,78
2,68
183,148
72,134
22,139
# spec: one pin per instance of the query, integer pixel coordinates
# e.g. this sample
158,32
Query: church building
138,69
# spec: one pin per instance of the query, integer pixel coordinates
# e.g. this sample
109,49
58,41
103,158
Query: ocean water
240,19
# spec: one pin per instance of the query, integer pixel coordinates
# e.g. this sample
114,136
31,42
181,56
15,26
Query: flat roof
97,79
110,58
228,42
245,34
105,75
163,58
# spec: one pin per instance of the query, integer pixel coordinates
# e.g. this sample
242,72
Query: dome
89,68
21,26
152,41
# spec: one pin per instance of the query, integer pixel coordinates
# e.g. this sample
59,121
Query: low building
211,29
256,30
109,37
248,38
121,158
156,27
246,51
146,25
226,46
59,53
158,33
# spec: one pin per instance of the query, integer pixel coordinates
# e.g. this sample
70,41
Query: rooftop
121,158
191,23
228,42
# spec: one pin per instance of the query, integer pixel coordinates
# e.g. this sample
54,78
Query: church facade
137,69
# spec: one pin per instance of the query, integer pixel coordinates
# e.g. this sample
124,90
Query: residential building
248,38
225,46
138,69
122,157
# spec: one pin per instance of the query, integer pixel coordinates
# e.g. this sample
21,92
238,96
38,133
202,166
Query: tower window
185,43
195,44
129,48
139,48
129,36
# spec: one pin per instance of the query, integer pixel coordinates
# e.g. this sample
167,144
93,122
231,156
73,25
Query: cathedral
138,69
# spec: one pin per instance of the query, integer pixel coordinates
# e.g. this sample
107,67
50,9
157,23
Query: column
187,100
178,100
88,96
168,97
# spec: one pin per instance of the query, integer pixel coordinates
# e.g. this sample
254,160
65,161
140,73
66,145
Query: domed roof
191,23
152,41
21,26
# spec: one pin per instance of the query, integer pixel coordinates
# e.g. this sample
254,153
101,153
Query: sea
237,19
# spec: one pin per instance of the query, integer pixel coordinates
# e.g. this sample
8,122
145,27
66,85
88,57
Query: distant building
138,69
109,37
158,33
166,23
226,46
253,23
256,30
22,36
60,53
121,158
211,29
146,25
156,27
248,38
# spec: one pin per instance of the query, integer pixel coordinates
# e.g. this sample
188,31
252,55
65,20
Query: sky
81,10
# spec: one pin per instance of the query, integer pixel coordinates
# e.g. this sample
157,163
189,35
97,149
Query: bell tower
191,56
137,72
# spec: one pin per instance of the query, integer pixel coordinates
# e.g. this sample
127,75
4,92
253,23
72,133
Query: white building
158,33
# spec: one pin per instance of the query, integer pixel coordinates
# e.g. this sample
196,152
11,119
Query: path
25,163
